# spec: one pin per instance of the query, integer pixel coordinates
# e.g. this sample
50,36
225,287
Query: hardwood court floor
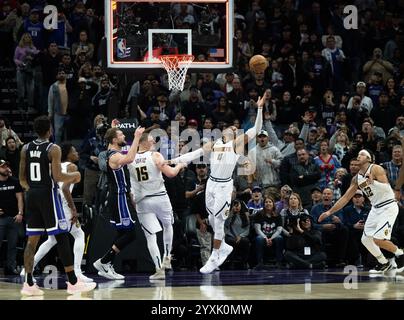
227,285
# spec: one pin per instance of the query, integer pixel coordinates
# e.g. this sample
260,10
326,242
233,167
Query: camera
102,128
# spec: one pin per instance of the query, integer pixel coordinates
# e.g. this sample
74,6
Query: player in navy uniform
120,204
40,170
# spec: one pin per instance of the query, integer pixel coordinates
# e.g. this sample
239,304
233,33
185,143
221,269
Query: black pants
355,247
242,248
302,261
338,240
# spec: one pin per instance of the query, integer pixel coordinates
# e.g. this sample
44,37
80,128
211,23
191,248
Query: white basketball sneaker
107,270
159,275
224,252
211,264
28,290
82,277
80,287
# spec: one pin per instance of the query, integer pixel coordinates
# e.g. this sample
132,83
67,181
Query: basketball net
177,67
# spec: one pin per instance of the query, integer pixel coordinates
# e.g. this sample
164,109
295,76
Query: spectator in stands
316,198
49,62
377,64
7,132
11,213
283,202
268,228
365,102
333,231
393,167
335,58
304,176
11,154
8,20
268,160
336,184
354,217
292,212
89,155
83,45
58,100
24,56
256,202
304,246
34,26
289,161
237,229
327,163
102,101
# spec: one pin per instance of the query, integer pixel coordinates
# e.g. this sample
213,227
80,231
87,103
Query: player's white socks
399,252
153,249
43,249
168,235
78,248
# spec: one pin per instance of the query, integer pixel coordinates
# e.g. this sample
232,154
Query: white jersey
64,170
146,179
377,192
223,160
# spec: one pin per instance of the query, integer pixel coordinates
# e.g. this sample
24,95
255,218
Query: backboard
138,32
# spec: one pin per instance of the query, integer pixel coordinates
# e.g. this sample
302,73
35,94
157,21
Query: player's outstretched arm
342,201
252,132
165,168
191,156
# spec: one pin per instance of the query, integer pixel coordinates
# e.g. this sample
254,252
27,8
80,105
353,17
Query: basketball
258,63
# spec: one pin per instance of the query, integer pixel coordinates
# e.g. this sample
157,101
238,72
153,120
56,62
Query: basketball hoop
176,66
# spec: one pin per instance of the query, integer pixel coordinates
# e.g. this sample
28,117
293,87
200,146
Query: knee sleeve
371,246
64,250
218,229
124,238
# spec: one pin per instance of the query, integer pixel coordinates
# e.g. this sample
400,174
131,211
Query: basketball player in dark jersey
120,204
40,170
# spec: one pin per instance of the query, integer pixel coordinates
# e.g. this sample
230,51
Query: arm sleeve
252,132
188,157
277,232
257,228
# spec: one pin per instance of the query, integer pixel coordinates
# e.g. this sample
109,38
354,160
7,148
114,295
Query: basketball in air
258,63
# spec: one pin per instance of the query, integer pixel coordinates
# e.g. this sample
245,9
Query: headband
366,153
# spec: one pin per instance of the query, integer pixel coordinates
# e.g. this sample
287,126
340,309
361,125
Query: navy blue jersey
118,179
38,165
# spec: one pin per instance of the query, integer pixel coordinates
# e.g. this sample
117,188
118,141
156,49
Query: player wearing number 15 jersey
373,182
152,202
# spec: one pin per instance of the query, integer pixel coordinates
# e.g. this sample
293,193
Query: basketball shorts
45,212
122,211
151,210
380,221
218,198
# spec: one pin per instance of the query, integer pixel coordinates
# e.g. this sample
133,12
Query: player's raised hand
324,216
115,123
261,100
139,131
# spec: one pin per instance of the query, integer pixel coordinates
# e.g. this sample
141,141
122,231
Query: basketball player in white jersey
373,182
224,154
69,156
152,202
